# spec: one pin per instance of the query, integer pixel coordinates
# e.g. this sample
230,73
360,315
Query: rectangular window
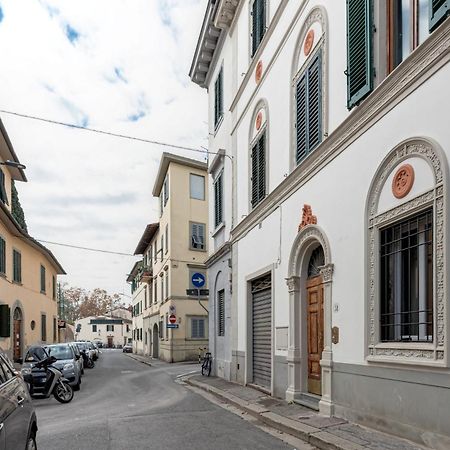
2,256
218,99
55,328
258,23
150,256
167,330
53,287
162,288
94,328
221,313
258,179
5,321
197,186
197,236
162,246
406,280
161,327
156,250
439,11
145,297
308,97
17,266
167,237
161,204
3,196
156,290
167,285
218,200
166,190
407,28
197,328
43,328
42,279
359,51
109,327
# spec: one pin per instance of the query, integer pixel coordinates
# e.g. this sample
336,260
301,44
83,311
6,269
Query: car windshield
60,351
35,354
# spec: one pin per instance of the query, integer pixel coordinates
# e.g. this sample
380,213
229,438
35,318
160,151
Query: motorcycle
87,360
55,382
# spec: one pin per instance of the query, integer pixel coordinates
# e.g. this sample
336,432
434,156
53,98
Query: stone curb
130,355
314,436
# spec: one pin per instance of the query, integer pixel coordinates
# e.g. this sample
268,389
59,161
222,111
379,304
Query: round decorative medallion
258,71
309,41
259,118
403,181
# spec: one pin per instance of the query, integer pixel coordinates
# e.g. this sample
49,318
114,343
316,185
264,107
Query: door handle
20,400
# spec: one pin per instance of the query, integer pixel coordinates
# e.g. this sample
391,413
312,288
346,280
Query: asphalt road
125,405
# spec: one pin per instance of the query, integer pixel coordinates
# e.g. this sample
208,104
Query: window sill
18,283
197,249
197,339
218,229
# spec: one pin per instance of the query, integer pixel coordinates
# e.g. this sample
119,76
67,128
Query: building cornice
7,153
226,11
426,60
218,254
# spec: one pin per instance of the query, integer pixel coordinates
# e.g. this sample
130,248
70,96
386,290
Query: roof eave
17,174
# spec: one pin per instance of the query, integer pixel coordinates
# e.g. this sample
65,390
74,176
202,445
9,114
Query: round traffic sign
172,318
198,280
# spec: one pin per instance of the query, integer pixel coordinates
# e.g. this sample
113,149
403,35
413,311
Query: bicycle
206,365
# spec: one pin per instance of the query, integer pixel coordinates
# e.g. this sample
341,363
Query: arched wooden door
314,289
17,334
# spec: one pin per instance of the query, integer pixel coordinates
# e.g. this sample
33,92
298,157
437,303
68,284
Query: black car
18,425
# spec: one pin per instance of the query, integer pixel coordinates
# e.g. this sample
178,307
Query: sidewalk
303,423
143,359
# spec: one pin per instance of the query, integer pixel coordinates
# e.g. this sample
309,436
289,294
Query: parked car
78,356
127,348
86,346
67,363
17,416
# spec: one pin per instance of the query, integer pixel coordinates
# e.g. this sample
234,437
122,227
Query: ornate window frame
419,353
317,14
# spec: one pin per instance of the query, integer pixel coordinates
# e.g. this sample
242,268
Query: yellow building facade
173,250
28,270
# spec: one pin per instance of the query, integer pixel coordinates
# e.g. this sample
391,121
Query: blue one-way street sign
198,280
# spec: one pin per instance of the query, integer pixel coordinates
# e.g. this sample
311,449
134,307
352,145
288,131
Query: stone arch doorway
309,352
155,350
17,333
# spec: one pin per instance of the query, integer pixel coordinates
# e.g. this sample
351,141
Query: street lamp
14,164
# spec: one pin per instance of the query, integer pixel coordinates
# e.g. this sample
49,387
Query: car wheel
31,443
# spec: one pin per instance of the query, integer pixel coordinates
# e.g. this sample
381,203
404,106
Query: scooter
55,384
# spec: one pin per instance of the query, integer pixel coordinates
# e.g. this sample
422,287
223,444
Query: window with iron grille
218,98
308,97
406,280
221,313
42,279
2,256
43,327
258,180
197,234
17,266
258,23
197,328
218,200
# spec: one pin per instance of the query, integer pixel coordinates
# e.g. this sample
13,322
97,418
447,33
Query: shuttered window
2,256
218,98
42,279
439,11
308,97
221,313
197,234
43,327
359,51
218,200
166,190
258,23
198,328
3,196
167,237
258,179
5,321
17,266
53,287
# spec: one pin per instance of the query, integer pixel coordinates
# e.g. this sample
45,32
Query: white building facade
328,120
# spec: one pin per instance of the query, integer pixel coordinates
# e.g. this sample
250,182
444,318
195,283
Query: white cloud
117,65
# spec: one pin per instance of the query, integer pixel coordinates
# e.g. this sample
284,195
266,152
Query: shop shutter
439,11
262,331
359,51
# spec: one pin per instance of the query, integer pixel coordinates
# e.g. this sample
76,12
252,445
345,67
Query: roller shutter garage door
262,331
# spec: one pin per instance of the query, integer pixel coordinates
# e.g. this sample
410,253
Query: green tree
16,208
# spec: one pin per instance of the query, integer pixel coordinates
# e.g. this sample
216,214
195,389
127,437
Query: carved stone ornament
293,284
307,217
258,72
259,118
327,272
309,42
403,181
436,198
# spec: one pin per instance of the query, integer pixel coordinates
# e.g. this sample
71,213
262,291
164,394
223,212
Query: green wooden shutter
218,189
359,51
5,321
218,98
315,103
302,118
255,27
439,11
258,179
2,255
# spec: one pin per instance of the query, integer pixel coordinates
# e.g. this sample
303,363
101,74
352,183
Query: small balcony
146,274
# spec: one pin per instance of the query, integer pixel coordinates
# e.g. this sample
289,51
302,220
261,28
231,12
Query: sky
115,65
